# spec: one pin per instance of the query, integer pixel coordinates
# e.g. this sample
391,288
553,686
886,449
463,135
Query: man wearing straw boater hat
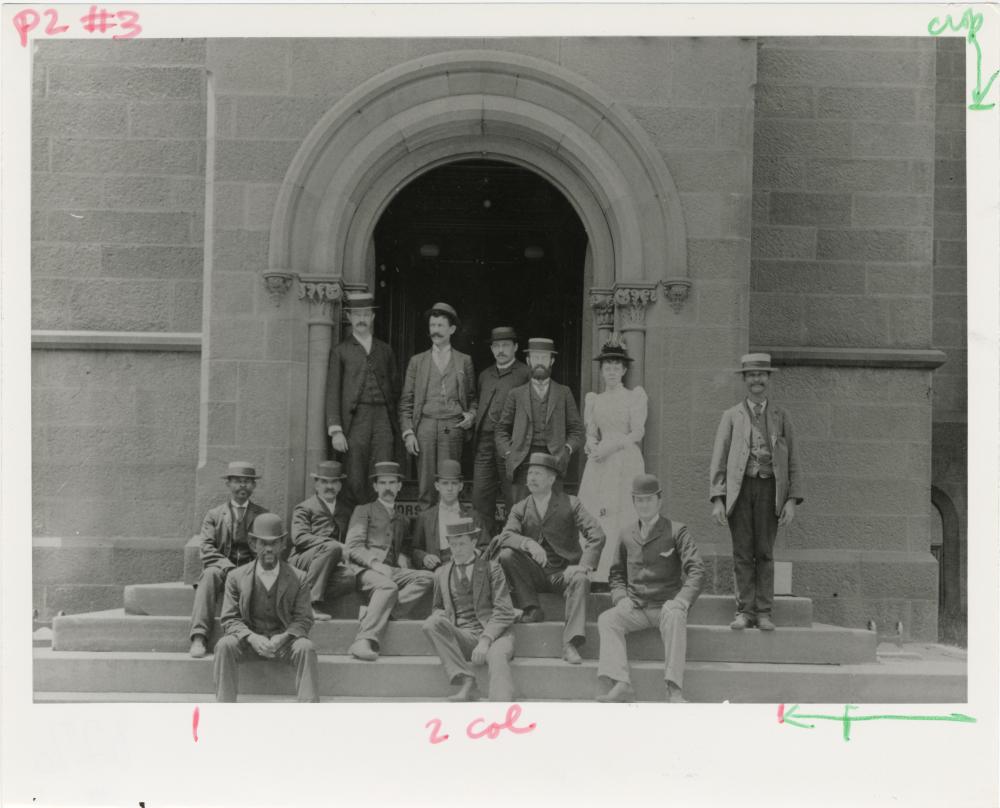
225,545
429,545
266,616
495,383
755,486
362,391
375,544
471,618
319,529
655,578
438,406
538,417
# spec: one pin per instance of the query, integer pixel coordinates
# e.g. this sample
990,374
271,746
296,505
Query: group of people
482,578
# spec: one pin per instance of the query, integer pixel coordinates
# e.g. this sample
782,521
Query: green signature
970,22
789,716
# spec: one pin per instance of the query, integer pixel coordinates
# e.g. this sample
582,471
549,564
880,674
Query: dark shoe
362,649
468,692
741,622
571,655
198,649
674,694
621,692
532,615
764,622
319,614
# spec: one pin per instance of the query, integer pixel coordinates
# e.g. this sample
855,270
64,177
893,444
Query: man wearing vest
375,544
495,383
362,388
319,529
471,618
266,616
225,545
540,551
648,591
755,486
429,546
438,405
538,417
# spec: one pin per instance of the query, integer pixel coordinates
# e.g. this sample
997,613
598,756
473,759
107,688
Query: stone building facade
201,207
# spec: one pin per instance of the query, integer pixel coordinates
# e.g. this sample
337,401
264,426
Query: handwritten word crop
98,20
970,22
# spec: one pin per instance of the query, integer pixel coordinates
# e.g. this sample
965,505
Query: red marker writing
492,731
194,724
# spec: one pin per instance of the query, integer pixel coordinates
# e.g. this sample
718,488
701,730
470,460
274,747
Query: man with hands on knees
647,591
266,615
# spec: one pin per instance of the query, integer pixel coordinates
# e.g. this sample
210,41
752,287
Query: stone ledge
116,341
800,356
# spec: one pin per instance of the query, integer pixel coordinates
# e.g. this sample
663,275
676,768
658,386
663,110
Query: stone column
603,303
631,300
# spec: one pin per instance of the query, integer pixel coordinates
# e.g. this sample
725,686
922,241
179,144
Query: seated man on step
224,546
319,528
375,544
472,617
266,616
540,551
647,592
430,545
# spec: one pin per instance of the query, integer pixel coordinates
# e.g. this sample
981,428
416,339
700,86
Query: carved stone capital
632,300
322,292
602,301
676,291
278,284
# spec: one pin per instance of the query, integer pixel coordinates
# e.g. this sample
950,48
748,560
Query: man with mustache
540,416
438,405
755,486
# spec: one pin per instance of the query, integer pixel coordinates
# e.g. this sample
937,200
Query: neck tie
757,410
462,574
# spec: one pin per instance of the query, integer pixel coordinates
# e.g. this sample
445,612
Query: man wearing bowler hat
471,618
319,529
266,616
438,405
755,486
225,545
495,383
540,551
655,579
538,417
429,546
375,544
362,391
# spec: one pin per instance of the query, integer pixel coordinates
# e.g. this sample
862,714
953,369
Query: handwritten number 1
435,729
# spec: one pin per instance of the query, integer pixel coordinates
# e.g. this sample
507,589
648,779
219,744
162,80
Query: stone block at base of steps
178,598
409,678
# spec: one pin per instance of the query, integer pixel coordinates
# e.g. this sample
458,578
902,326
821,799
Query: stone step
114,630
178,598
116,673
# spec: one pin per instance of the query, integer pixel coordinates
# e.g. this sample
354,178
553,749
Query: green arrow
979,92
790,716
971,21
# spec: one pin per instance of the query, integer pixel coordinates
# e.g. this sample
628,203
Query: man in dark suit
495,383
538,417
319,529
362,389
266,616
471,618
438,405
755,486
539,550
375,545
648,591
429,546
225,545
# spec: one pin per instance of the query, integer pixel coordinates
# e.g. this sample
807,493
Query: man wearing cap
495,383
438,405
375,540
655,579
266,616
225,545
362,389
540,551
471,618
755,486
319,528
429,546
538,417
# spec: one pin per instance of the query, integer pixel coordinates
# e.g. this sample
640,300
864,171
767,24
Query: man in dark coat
429,547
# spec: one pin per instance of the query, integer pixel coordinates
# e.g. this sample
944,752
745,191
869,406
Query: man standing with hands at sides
438,404
471,618
540,551
755,486
495,383
647,591
362,388
375,544
429,545
540,417
266,616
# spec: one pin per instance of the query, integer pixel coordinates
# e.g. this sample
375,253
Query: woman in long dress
616,422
